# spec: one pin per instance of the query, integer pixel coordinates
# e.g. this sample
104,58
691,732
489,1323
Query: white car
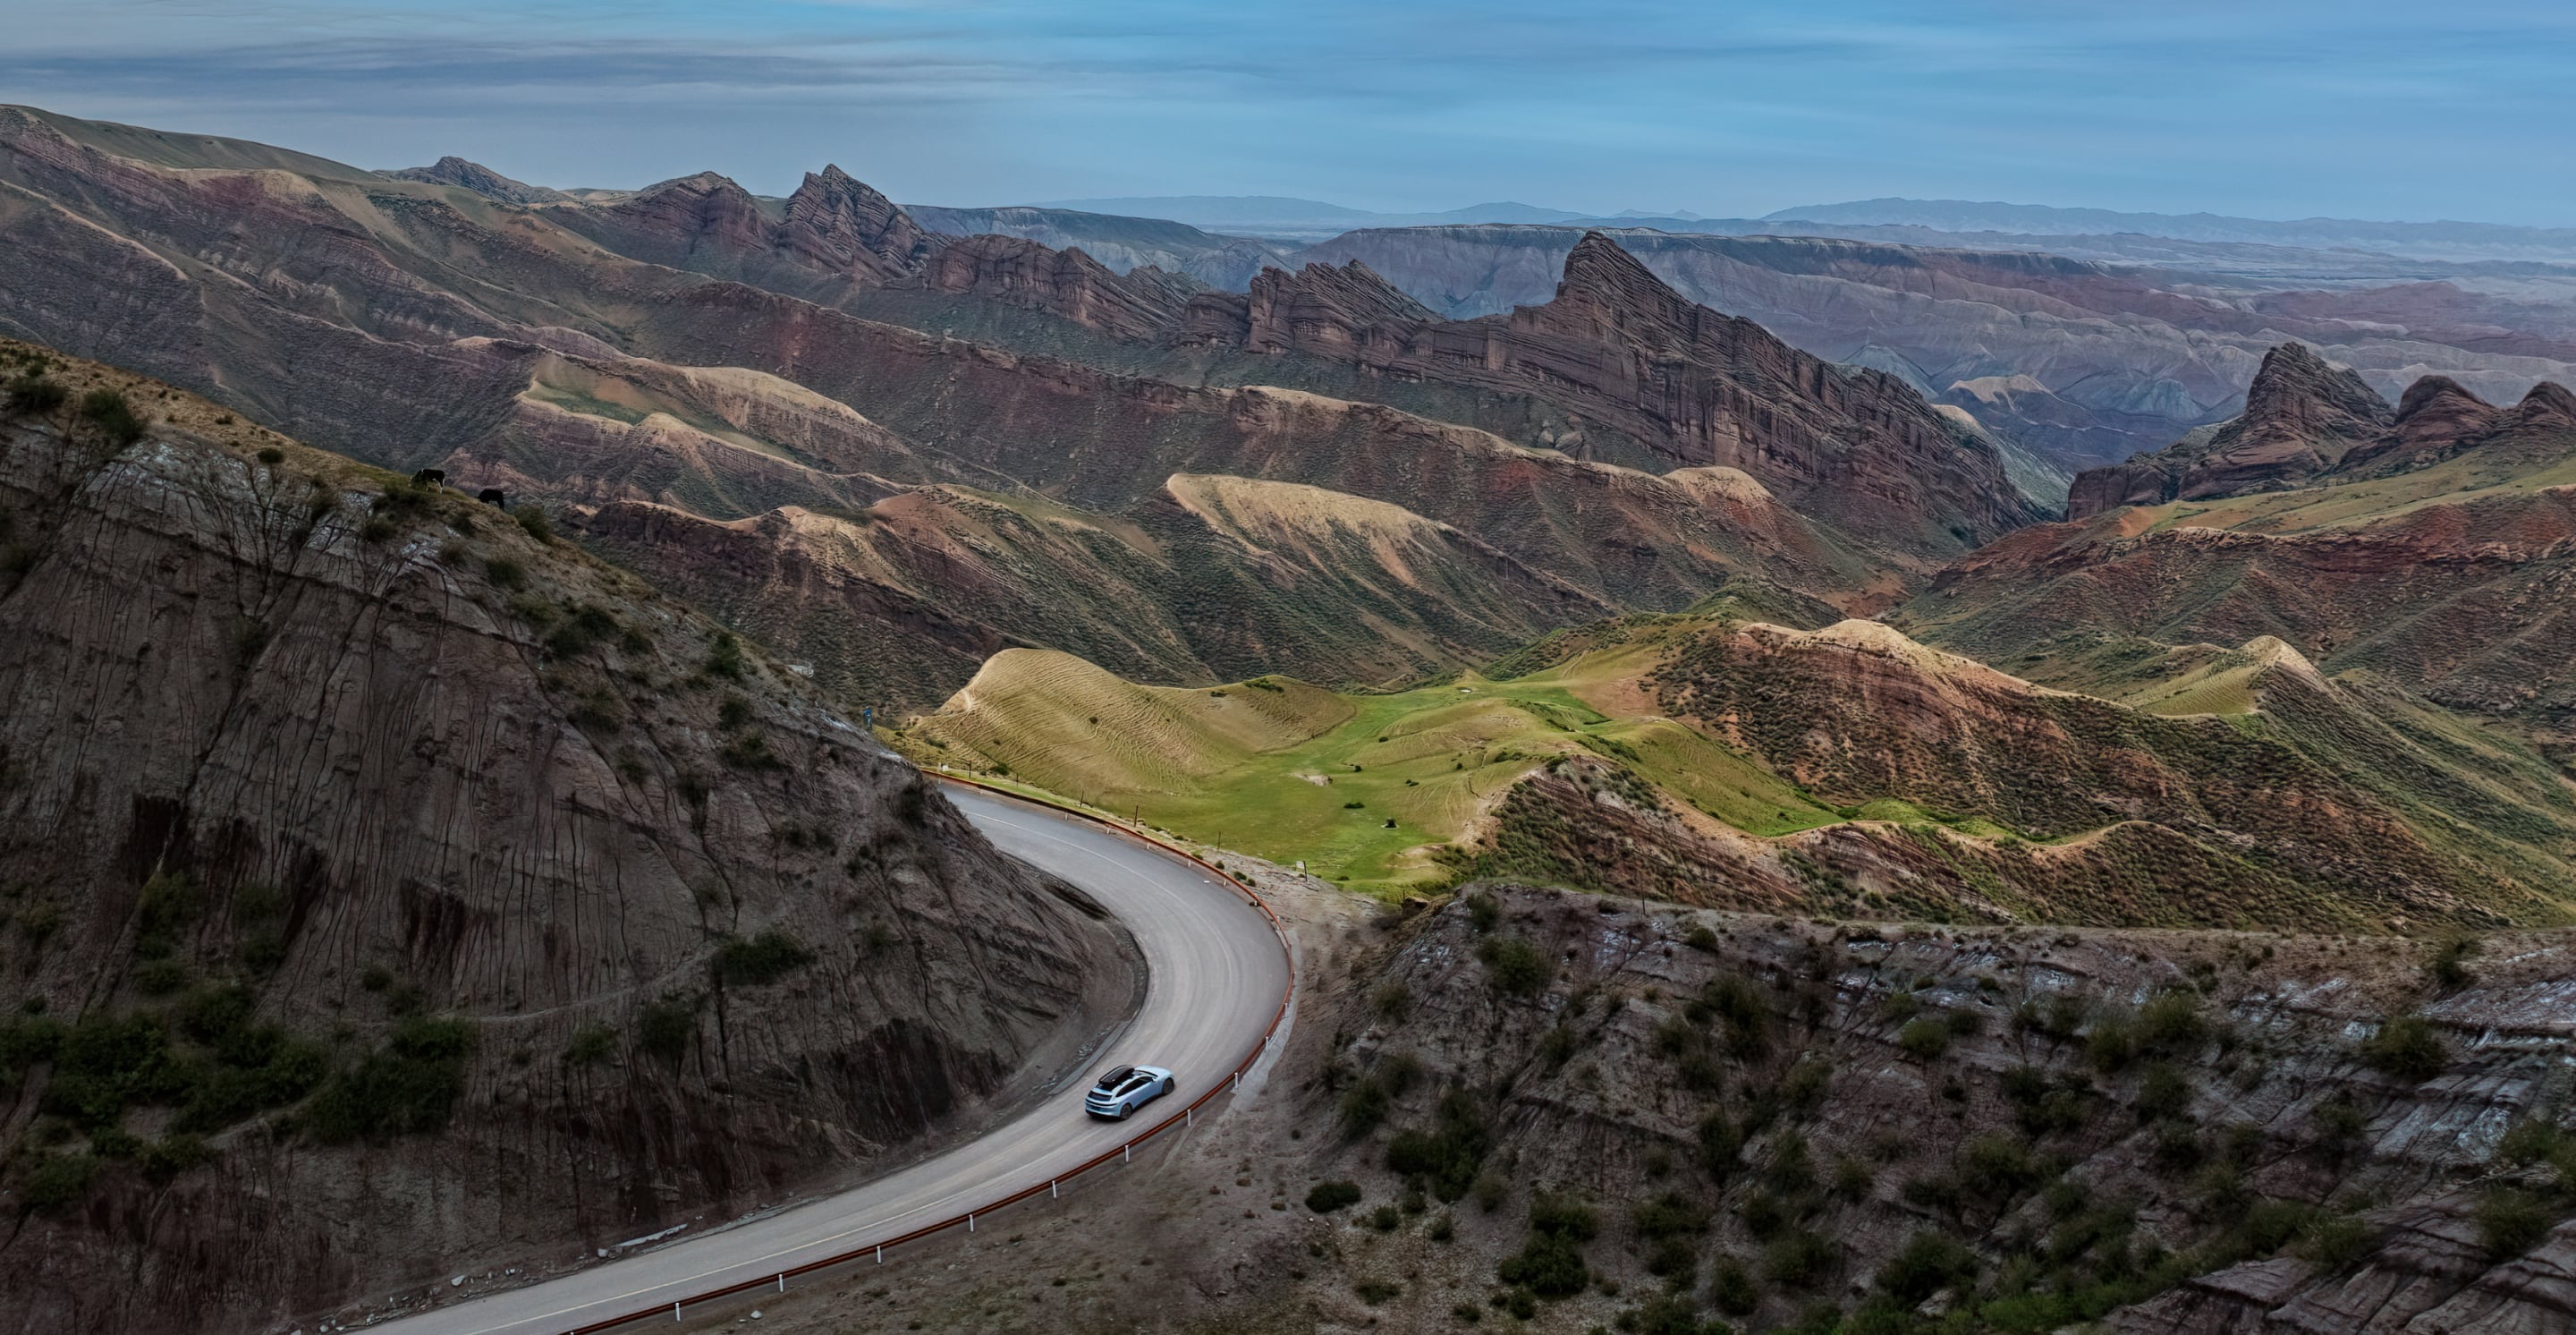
1125,1089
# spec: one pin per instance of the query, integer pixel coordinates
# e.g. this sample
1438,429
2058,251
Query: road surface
1214,976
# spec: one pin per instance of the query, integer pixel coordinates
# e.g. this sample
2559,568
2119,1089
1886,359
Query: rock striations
391,885
2301,416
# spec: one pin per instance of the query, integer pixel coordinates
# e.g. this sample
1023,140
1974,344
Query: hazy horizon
2300,110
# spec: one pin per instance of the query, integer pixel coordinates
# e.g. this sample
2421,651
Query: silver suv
1125,1089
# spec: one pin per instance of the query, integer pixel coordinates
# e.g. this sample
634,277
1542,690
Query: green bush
1924,1038
115,418
505,573
1548,1265
1514,966
2171,1024
33,392
591,1045
57,1180
1327,1197
165,1159
532,518
409,1086
1446,1156
665,1027
724,657
1731,1290
2406,1048
2163,1092
1482,912
1799,1259
1929,1261
2511,1222
759,961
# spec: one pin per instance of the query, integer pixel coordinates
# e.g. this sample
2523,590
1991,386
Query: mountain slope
393,889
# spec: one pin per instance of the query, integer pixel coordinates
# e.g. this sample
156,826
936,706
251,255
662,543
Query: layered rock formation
831,236
2124,357
2301,417
482,180
394,890
1686,384
1944,1128
1143,304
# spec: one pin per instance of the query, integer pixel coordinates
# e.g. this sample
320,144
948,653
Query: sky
2264,108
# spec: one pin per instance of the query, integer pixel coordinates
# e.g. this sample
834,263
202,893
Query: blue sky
2273,108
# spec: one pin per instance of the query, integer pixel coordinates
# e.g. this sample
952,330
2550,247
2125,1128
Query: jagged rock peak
2549,404
833,216
2437,412
1602,277
701,183
482,180
2299,391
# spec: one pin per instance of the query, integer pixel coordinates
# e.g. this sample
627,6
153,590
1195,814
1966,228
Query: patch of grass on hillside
1291,772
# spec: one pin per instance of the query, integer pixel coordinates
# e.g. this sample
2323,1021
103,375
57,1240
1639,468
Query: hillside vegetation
1713,759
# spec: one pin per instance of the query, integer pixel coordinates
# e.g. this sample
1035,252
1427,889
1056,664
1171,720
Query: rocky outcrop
1123,244
1142,304
1325,309
2131,355
1690,386
2302,416
1993,1124
442,917
482,180
833,236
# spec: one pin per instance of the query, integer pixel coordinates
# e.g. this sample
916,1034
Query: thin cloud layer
2288,108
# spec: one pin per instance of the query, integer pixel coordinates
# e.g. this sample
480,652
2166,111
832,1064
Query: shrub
505,573
2113,1042
114,417
1924,1038
1929,1261
1514,966
1731,1290
2449,968
1327,1197
408,1086
2337,1241
1549,1265
165,1159
665,1027
1391,1001
1447,1156
1663,1314
1671,1215
57,1180
2512,1222
1483,912
724,657
1996,1168
1799,1259
1701,938
759,961
1719,1144
32,392
532,518
2171,1023
1386,1219
1375,1291
2407,1048
591,1045
2162,1092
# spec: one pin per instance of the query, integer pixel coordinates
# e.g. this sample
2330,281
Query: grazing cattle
429,477
493,496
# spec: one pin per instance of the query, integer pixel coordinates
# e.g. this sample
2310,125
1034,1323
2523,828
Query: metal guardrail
1185,1117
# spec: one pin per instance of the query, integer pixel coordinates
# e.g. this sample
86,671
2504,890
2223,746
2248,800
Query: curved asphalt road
1215,973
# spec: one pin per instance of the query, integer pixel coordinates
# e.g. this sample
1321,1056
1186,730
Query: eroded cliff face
1934,1127
1690,386
2301,416
2281,798
393,889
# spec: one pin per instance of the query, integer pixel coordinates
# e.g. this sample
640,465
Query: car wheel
1167,1084
1124,1109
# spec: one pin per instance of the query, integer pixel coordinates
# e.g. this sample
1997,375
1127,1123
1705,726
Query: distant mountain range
2418,240
1298,219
